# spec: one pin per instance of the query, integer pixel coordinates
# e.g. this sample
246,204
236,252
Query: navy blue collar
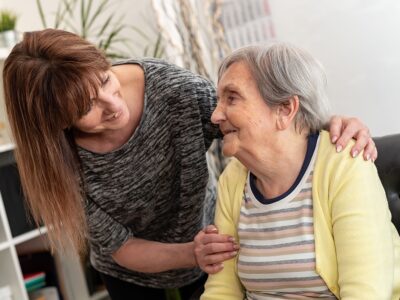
311,144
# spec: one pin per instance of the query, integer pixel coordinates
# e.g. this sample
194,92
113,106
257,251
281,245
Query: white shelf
6,147
29,235
4,245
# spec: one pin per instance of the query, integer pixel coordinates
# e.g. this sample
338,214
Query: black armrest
388,164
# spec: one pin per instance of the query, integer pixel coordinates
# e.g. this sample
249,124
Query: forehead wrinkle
231,88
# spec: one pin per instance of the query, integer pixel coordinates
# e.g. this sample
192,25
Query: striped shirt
277,254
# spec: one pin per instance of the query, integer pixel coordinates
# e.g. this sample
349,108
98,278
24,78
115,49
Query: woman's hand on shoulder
343,129
211,249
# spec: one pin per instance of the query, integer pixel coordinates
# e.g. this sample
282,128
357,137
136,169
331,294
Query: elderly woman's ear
286,112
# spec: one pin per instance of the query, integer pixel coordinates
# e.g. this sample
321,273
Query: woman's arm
113,238
152,257
362,232
343,129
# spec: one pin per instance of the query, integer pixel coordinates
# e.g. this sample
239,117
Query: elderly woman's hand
211,249
342,130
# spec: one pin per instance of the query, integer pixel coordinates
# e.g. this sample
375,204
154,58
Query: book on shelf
34,281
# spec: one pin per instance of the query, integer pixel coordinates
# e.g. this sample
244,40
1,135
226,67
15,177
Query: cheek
88,121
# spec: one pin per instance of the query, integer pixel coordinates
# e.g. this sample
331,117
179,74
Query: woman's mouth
115,116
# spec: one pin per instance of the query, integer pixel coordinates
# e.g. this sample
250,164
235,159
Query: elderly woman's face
242,115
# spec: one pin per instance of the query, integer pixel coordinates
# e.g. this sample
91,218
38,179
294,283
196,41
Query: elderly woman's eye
231,98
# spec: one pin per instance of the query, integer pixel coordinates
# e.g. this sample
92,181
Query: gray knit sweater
155,186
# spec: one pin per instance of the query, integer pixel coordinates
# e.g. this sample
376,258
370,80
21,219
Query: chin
228,151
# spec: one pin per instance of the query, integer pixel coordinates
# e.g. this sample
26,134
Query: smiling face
242,115
109,111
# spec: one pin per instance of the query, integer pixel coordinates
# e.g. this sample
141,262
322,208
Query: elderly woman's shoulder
234,169
328,155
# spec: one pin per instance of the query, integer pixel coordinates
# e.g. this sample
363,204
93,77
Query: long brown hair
49,78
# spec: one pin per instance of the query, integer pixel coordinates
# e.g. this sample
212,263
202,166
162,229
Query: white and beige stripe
277,253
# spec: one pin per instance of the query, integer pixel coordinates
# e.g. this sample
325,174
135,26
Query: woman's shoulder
327,149
234,171
338,164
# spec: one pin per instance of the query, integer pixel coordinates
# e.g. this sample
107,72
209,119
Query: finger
219,258
369,150
216,248
374,156
335,127
210,229
215,238
213,269
362,142
349,131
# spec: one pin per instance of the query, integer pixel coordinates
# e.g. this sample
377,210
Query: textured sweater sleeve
105,233
225,285
207,101
361,230
192,96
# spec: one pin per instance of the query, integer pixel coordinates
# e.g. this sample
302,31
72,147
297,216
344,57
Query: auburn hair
49,79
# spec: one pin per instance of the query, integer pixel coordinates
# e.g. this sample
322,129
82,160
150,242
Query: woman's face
109,110
244,118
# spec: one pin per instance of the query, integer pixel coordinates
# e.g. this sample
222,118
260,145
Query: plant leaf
41,13
100,9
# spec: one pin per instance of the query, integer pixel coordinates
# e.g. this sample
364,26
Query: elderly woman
311,223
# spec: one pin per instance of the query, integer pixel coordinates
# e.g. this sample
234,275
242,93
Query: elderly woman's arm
362,232
225,285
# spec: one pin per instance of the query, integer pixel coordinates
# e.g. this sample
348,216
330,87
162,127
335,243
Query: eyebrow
231,89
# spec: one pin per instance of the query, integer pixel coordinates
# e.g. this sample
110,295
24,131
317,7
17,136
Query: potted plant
8,35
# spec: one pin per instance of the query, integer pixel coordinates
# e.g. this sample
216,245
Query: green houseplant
8,35
98,22
8,20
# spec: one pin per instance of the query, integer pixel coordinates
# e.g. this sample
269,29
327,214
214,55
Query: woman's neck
276,170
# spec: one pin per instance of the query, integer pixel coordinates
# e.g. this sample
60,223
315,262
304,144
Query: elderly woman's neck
277,168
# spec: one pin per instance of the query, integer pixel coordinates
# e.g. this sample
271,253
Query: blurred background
356,40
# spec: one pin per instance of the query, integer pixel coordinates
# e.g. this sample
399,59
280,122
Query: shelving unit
69,268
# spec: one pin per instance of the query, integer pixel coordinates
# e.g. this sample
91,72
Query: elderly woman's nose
218,115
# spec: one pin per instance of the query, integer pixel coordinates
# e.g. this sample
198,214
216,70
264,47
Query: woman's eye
91,104
105,80
231,98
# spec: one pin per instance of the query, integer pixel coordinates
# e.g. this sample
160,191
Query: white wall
358,42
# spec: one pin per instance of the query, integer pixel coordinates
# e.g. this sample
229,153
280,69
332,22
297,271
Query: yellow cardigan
357,247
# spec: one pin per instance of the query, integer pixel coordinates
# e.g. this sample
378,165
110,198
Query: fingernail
339,148
231,239
334,139
355,153
236,246
233,253
368,157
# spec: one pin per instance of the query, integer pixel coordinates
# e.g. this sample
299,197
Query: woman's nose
107,100
218,114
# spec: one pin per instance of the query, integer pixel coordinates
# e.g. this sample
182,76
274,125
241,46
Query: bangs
67,95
